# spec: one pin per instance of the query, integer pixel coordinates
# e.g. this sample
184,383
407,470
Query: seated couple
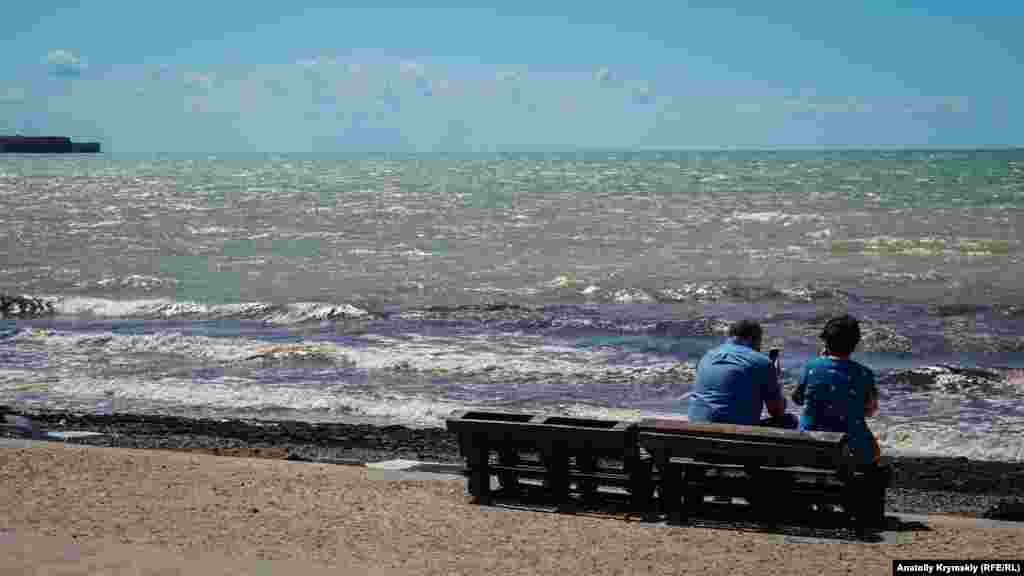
735,379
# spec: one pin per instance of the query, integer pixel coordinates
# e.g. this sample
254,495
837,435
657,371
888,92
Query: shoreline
921,484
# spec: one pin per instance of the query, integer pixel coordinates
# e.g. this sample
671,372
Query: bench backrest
746,445
503,428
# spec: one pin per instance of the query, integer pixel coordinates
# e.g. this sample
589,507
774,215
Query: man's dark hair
746,329
841,335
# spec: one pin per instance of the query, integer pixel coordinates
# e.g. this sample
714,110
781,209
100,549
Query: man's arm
776,408
774,401
870,397
801,387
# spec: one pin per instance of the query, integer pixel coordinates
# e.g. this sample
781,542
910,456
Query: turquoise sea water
397,289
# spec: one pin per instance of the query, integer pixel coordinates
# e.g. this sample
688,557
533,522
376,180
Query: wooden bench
567,459
774,469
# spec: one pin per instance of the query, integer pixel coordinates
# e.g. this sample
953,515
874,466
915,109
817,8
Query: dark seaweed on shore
958,486
321,442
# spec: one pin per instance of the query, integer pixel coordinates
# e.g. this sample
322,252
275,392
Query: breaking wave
168,309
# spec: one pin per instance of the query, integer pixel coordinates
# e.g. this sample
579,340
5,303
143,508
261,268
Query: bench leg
768,493
641,484
480,473
557,472
864,498
669,492
508,457
587,464
876,481
693,491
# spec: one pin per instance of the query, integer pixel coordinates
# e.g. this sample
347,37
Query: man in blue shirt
735,379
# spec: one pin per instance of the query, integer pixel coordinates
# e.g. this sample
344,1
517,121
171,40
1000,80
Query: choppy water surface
399,289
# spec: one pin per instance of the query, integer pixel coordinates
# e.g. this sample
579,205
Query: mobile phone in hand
773,355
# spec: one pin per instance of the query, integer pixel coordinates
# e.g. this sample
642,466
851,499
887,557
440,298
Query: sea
397,289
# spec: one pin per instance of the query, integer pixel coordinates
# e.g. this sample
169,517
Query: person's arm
776,408
774,401
871,407
801,387
870,397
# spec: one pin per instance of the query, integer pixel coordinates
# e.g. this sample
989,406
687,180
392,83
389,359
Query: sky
324,77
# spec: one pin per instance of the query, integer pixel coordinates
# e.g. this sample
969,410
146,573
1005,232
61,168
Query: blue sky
326,77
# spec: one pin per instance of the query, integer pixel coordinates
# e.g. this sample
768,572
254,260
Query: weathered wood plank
701,429
570,455
744,451
577,434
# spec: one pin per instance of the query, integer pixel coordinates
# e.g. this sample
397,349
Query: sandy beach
921,485
81,510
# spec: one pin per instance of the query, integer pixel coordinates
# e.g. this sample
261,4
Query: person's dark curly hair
841,335
747,329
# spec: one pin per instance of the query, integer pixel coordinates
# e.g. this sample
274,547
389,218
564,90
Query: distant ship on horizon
46,145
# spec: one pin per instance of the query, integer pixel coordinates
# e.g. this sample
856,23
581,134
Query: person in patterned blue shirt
838,394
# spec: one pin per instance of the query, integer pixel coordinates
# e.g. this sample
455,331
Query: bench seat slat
726,466
716,430
743,451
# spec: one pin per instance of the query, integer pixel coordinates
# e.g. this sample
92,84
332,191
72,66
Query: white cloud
409,68
159,72
445,86
822,105
671,116
379,101
275,87
509,75
201,81
605,77
958,104
13,94
65,63
640,92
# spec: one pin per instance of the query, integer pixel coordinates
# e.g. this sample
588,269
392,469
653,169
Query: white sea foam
195,347
631,296
135,281
14,379
563,281
490,358
943,426
304,311
758,216
293,313
102,307
1002,441
237,394
497,358
207,230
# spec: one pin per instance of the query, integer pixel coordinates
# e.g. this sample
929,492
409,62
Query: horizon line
596,149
